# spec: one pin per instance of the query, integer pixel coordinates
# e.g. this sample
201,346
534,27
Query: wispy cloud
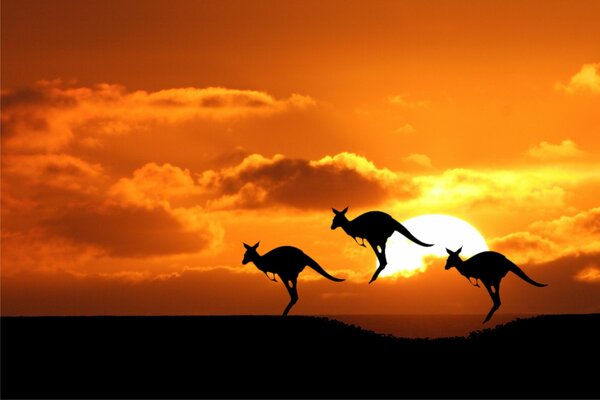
547,240
549,151
405,129
403,100
420,160
587,80
57,170
571,227
589,274
51,115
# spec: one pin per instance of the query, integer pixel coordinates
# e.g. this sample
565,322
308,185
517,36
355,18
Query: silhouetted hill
275,357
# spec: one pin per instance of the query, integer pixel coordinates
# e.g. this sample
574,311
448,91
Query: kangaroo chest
468,272
265,267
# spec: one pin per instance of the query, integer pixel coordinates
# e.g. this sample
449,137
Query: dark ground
272,357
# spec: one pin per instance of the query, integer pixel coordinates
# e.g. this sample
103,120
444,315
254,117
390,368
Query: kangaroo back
314,265
402,230
521,274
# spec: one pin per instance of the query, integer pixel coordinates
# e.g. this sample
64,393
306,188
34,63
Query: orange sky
144,141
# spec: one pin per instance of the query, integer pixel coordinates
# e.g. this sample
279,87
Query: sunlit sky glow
144,141
406,259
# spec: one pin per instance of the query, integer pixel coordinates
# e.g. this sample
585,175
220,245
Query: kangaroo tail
400,228
519,272
314,265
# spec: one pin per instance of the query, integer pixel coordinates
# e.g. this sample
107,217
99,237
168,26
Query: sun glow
406,258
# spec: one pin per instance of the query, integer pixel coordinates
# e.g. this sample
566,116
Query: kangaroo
375,227
489,267
287,262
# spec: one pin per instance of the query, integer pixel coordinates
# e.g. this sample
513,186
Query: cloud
51,115
548,240
466,187
548,151
35,250
120,231
589,274
420,160
405,129
74,237
585,224
38,186
501,200
56,170
55,205
402,100
345,178
587,80
577,267
525,247
566,288
153,185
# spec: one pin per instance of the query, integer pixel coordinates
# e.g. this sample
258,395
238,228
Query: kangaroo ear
458,251
449,252
345,210
336,212
256,245
246,246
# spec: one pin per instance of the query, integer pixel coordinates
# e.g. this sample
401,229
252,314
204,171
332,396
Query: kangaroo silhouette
287,262
375,227
489,267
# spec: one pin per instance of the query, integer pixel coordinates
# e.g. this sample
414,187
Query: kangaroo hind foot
376,274
293,291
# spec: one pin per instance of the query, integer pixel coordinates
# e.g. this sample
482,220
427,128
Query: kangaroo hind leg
382,259
494,291
290,285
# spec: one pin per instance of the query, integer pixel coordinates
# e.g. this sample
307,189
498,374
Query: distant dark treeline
308,357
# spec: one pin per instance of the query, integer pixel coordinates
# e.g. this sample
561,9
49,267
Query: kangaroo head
339,219
453,258
251,254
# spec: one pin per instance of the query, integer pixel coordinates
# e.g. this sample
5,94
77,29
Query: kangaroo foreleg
271,279
360,244
474,284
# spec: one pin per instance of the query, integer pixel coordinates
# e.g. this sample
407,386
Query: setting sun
443,231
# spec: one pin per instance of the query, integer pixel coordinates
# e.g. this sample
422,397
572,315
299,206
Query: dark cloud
565,291
525,244
568,265
128,231
38,96
591,221
261,182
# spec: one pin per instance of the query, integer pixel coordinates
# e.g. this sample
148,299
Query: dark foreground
273,357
